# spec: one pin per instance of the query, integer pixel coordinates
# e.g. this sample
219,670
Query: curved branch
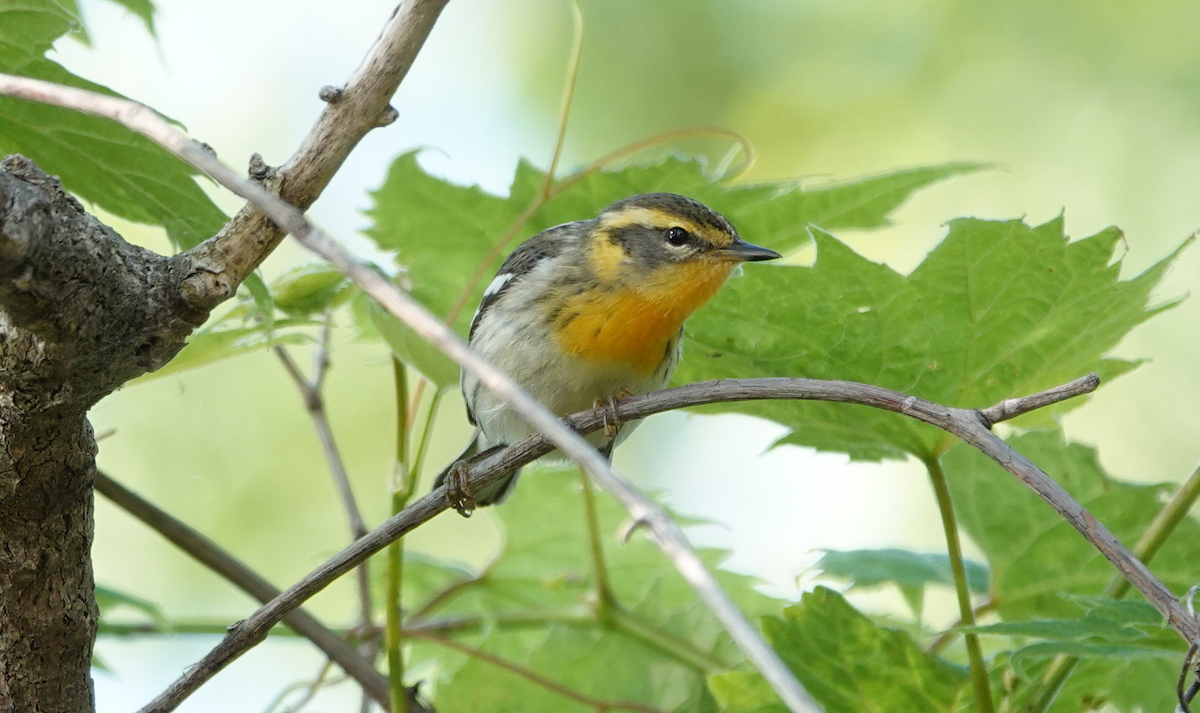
967,424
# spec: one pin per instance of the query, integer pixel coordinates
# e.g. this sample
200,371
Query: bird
588,311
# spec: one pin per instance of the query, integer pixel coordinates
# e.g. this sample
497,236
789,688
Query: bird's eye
677,236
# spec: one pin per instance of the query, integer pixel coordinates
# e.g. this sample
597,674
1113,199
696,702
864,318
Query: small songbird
589,311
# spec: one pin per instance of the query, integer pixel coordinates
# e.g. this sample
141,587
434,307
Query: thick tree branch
85,311
81,312
217,266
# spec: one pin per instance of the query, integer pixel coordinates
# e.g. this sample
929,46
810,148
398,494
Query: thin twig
314,404
449,593
535,677
1011,408
225,565
1184,698
217,266
625,622
568,97
310,690
578,616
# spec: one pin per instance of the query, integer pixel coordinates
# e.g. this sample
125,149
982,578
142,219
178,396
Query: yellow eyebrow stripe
660,219
649,217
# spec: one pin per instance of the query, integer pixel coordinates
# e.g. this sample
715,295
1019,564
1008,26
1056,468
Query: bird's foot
607,410
458,489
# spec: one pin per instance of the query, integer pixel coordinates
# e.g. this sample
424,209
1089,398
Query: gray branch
967,424
217,266
216,559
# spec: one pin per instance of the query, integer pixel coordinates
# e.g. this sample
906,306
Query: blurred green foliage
861,79
998,309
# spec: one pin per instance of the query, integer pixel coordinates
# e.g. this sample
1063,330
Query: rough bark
81,312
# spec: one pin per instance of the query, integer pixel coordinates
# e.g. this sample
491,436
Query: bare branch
217,266
1011,408
314,403
963,423
212,556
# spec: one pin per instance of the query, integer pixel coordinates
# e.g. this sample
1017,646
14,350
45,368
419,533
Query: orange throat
636,326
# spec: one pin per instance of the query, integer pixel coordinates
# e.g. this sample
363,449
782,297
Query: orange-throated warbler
587,311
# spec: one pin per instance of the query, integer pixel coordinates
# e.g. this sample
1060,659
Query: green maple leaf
443,233
97,159
998,309
847,662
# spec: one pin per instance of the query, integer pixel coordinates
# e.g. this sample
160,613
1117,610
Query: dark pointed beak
743,251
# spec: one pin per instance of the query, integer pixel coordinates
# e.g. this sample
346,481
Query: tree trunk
47,603
81,312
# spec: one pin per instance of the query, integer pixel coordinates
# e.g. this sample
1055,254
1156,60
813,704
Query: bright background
1092,108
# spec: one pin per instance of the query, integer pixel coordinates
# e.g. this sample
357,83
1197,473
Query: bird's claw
458,490
606,409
